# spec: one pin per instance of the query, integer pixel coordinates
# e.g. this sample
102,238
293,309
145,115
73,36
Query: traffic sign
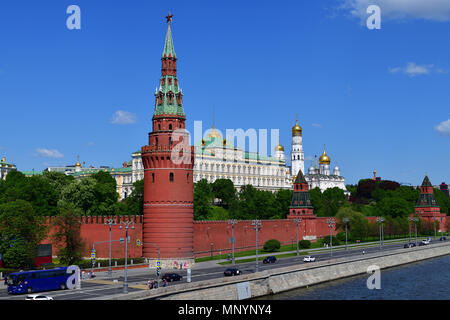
93,255
138,242
158,263
232,240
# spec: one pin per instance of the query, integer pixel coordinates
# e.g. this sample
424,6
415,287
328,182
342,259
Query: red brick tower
301,206
168,222
427,207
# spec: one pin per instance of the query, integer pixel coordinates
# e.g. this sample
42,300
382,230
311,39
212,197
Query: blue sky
378,99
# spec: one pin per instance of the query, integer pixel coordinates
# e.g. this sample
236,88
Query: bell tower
168,221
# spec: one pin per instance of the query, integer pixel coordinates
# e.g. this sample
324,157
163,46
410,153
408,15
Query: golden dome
279,147
296,130
78,164
214,134
324,158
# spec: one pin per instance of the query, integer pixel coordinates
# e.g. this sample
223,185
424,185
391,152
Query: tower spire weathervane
169,18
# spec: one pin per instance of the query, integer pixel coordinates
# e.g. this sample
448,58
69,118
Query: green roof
168,44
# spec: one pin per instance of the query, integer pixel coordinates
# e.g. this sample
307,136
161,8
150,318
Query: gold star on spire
169,18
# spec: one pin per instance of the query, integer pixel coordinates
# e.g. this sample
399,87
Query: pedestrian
149,284
364,252
164,283
155,284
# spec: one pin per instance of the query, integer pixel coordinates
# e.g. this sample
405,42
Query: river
423,280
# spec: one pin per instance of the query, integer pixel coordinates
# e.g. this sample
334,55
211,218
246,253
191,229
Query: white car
309,259
426,241
38,297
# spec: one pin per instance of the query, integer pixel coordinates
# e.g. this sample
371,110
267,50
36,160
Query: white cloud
413,69
309,158
49,153
443,128
317,125
435,10
123,117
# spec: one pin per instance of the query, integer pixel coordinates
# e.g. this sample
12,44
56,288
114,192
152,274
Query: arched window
171,177
170,141
170,126
153,177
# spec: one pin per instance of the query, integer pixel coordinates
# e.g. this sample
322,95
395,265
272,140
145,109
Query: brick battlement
103,219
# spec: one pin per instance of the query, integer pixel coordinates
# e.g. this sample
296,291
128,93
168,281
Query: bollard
115,263
131,261
99,264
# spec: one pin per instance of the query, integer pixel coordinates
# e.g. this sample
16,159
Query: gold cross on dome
169,18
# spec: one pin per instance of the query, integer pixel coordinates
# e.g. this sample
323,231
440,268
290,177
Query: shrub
304,244
326,240
272,245
341,237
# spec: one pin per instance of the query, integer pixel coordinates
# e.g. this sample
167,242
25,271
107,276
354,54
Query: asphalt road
137,278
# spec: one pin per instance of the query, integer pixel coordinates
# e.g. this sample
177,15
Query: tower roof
169,50
426,182
300,177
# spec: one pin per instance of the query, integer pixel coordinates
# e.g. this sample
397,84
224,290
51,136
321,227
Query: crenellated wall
93,229
210,237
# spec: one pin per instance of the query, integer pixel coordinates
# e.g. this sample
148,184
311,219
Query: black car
232,272
172,277
409,245
270,259
442,239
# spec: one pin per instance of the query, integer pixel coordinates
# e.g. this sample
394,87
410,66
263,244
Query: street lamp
232,222
110,222
346,221
415,220
380,221
297,221
331,222
434,226
126,224
256,225
211,244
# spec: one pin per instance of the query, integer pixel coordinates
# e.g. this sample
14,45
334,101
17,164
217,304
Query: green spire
168,45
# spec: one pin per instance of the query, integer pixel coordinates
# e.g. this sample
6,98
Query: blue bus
38,280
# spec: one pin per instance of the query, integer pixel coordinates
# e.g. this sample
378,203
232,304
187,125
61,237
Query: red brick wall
94,230
214,235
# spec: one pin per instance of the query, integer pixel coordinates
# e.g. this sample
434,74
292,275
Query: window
170,126
171,177
153,177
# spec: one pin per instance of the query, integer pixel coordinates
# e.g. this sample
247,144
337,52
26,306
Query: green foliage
341,236
95,195
304,244
68,234
326,240
36,190
203,197
357,225
21,230
218,213
393,207
271,245
223,189
134,204
443,201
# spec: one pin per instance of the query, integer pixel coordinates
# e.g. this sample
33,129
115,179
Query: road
102,286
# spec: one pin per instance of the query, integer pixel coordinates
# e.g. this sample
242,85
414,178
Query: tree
283,199
316,197
21,230
333,199
357,225
67,234
203,197
134,204
224,190
394,207
364,190
36,190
